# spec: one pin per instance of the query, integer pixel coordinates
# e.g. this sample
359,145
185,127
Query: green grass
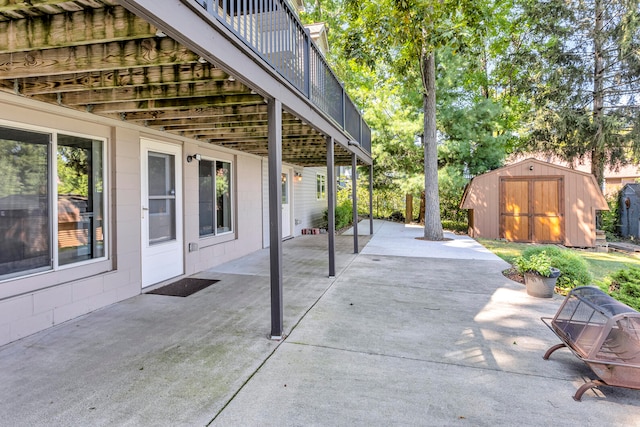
600,264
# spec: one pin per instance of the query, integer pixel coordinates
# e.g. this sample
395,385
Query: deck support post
331,206
274,118
354,195
371,200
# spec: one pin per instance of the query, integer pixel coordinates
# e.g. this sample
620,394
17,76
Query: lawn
600,264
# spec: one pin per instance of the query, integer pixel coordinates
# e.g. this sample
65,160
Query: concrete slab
396,239
399,337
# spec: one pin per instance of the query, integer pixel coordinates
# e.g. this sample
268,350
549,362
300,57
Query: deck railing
273,31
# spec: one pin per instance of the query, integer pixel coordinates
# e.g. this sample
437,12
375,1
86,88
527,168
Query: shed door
531,209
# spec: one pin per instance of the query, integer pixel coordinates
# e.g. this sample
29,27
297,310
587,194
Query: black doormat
183,287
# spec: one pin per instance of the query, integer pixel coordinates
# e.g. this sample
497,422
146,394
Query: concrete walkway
408,333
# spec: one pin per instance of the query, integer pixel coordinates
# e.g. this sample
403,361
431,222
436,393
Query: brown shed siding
581,197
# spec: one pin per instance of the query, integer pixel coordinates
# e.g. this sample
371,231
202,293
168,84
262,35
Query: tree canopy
557,77
580,74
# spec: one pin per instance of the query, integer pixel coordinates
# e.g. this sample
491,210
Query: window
321,187
162,198
30,239
215,197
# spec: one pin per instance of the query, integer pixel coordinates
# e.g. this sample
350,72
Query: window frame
215,235
321,186
52,199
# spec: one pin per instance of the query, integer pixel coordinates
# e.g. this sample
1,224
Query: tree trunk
408,217
432,222
598,147
421,214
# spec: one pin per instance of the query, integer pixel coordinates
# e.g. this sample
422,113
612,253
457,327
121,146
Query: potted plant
539,276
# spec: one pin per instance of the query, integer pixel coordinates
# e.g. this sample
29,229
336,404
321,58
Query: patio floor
408,333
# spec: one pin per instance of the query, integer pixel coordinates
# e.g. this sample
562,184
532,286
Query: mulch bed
512,273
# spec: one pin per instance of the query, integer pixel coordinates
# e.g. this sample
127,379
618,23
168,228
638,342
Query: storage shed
629,210
534,201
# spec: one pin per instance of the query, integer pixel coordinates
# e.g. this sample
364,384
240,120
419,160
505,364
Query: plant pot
541,286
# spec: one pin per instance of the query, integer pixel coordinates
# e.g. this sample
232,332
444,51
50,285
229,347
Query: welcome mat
183,287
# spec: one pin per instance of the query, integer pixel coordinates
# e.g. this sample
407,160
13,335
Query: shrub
455,226
624,285
396,216
344,215
574,270
610,219
539,263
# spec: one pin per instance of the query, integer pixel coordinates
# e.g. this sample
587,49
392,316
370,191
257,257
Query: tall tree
583,78
408,34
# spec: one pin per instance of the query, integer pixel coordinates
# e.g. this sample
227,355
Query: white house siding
265,200
33,303
309,211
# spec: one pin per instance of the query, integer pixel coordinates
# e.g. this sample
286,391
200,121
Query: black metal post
331,206
354,195
371,200
274,118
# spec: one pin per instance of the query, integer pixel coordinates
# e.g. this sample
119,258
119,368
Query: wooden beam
88,58
293,127
146,93
218,123
83,27
300,145
187,113
38,7
120,108
243,133
119,78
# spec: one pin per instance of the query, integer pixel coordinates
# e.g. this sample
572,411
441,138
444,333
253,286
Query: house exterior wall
306,209
581,200
309,209
34,302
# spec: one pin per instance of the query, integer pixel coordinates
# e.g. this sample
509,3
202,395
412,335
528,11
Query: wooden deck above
96,56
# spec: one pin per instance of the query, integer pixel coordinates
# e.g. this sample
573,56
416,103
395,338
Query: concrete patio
408,333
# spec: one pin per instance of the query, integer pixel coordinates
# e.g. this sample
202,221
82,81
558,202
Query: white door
162,247
286,203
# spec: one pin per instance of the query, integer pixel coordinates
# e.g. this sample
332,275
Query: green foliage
476,128
73,171
624,285
580,107
451,184
539,263
574,270
610,219
344,215
24,167
455,226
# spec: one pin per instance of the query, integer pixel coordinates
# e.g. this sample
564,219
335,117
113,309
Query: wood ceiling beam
217,123
121,109
187,113
147,93
292,128
289,145
113,79
240,134
82,27
221,117
38,7
99,57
